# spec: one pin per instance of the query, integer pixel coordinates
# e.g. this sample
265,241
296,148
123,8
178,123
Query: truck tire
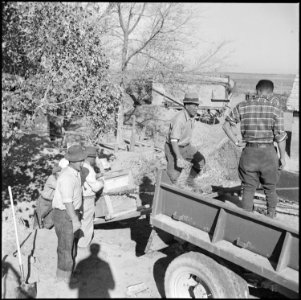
195,275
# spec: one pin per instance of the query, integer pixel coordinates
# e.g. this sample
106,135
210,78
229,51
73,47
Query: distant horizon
256,73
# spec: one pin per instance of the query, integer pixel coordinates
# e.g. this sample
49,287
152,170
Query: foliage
58,52
29,164
140,90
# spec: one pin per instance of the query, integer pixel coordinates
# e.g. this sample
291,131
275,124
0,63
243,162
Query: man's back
260,119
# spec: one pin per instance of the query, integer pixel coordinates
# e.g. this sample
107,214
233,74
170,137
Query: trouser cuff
63,275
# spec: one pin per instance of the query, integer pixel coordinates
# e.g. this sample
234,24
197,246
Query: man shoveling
180,154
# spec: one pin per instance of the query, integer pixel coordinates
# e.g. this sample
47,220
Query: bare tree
153,37
150,40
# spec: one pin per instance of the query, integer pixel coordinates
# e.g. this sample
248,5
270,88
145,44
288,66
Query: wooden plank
133,135
138,143
220,226
284,255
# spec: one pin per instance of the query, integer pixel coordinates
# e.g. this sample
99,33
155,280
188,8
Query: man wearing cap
66,203
90,188
178,149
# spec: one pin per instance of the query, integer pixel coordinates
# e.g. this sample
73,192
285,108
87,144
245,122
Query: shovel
26,290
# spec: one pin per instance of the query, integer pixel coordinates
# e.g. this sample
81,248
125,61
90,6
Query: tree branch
130,14
146,42
138,19
157,60
120,18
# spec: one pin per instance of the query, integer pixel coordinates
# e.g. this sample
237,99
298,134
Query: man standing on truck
261,124
178,149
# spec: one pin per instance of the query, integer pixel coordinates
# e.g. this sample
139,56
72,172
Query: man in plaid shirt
261,124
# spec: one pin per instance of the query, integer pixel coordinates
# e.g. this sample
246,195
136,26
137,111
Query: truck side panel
257,243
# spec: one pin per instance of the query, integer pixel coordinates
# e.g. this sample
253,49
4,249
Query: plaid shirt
261,120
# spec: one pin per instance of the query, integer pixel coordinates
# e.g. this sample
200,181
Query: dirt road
114,267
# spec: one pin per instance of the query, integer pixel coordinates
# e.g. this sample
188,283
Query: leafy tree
57,50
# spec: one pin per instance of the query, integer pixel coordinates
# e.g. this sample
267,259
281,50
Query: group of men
261,124
70,191
74,183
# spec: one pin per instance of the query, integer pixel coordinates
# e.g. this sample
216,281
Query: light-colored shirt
49,188
91,185
68,189
180,128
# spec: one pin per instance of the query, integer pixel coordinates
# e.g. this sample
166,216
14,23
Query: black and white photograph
150,150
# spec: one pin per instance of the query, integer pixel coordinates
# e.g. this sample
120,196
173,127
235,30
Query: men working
66,203
178,149
90,187
261,124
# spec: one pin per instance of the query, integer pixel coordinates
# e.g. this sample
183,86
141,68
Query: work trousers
259,165
189,153
66,248
87,221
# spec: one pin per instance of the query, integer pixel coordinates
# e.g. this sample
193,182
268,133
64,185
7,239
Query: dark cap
191,98
91,151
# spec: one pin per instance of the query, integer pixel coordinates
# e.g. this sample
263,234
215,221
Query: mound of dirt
142,164
222,157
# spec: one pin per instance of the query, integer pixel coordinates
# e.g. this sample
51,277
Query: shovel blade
27,291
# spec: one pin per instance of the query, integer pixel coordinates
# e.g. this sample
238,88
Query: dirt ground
115,266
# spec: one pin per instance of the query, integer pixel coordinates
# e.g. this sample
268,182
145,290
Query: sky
264,36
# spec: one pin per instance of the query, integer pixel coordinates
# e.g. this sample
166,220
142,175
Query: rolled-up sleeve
234,116
278,129
91,180
49,188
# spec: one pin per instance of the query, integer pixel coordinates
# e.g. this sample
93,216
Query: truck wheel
194,275
240,286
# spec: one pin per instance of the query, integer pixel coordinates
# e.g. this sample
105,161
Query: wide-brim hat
75,153
91,151
191,98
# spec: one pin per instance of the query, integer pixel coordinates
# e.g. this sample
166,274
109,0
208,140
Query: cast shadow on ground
93,276
160,268
140,231
6,266
146,191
